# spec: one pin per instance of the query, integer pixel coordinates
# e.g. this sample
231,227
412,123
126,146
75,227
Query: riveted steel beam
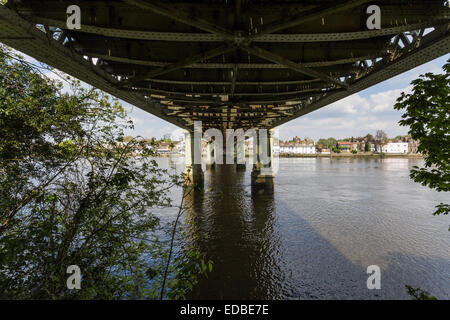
209,37
183,17
314,14
238,83
231,65
347,36
290,64
181,64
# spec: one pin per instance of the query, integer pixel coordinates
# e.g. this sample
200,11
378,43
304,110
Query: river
327,221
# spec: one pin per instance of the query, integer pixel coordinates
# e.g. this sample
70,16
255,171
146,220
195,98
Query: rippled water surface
315,237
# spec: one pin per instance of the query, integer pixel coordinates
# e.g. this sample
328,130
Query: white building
305,149
179,147
395,147
163,148
296,148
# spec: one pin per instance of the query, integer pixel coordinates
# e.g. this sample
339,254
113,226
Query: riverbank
351,155
333,155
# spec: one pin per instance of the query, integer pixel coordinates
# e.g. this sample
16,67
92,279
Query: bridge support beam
210,156
193,153
240,156
262,174
229,153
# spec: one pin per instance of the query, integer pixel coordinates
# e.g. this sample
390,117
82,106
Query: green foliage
335,150
419,294
427,115
366,147
73,192
354,151
370,138
327,143
187,267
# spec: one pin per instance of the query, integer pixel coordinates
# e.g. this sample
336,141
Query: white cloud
350,105
353,116
386,100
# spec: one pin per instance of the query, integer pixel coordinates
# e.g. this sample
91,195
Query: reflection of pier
238,226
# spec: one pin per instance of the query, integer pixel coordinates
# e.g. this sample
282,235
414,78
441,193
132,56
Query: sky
357,115
364,112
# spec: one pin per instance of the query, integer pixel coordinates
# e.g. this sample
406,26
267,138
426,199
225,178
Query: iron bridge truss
229,64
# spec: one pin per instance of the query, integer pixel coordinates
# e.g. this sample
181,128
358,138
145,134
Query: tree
73,192
369,138
323,142
327,143
427,116
419,294
381,138
332,142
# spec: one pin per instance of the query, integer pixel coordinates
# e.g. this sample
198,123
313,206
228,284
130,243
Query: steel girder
254,93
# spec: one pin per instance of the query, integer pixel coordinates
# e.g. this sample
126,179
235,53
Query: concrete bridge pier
240,156
210,156
229,152
193,154
262,176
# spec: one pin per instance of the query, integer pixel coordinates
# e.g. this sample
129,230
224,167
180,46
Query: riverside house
298,147
344,146
395,148
163,148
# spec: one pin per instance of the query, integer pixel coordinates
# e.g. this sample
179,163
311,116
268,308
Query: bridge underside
229,64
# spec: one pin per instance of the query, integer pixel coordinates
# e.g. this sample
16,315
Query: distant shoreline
351,155
333,155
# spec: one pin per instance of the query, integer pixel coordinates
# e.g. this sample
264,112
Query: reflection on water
240,238
314,238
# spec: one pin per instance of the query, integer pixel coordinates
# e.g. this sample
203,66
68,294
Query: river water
327,221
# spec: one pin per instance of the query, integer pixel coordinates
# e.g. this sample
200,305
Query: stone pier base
262,183
210,162
194,176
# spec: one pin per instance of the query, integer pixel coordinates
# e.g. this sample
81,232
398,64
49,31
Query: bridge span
229,64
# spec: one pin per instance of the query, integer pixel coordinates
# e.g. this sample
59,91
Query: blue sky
356,115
